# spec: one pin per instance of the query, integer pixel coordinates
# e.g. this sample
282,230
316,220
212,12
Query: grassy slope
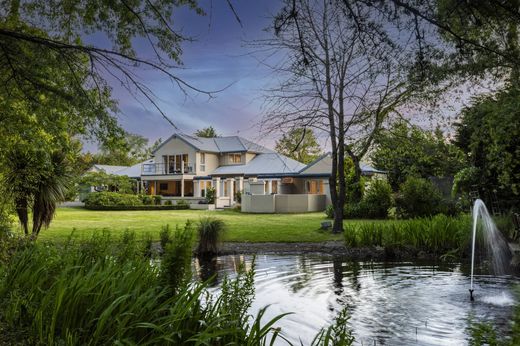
240,227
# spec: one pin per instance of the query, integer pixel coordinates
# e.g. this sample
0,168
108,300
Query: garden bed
137,207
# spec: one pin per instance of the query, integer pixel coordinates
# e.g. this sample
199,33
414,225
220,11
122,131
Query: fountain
496,246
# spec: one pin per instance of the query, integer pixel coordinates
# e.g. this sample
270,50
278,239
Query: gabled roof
267,163
230,144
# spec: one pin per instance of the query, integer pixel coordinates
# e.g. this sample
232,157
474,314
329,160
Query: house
185,167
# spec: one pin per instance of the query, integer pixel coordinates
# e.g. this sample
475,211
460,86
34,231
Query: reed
437,235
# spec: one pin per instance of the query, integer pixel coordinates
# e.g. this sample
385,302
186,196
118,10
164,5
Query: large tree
342,76
404,150
299,144
489,133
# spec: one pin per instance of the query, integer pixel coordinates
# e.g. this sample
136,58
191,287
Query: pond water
389,303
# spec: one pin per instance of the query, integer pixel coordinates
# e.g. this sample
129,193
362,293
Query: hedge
137,207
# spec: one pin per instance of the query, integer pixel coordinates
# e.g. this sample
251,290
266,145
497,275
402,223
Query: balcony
163,169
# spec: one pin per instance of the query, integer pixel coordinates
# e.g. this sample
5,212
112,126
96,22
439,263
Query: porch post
216,185
182,187
240,184
196,188
269,187
231,184
154,187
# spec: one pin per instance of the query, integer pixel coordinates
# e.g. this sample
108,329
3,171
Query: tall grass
438,235
108,291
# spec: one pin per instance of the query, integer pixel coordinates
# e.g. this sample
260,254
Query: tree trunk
21,211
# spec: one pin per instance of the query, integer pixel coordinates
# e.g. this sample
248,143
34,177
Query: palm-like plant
52,189
210,231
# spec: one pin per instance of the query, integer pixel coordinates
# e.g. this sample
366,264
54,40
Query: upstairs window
202,162
235,158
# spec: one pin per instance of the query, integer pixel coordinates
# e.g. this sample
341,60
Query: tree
207,132
126,151
405,150
299,144
489,133
344,77
58,38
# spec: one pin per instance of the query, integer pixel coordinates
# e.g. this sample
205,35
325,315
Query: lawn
240,227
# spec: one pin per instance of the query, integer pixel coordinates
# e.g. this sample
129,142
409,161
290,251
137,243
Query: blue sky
217,59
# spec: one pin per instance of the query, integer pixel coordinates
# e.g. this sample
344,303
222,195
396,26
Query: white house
185,167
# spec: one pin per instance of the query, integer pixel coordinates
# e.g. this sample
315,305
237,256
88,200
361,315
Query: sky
218,59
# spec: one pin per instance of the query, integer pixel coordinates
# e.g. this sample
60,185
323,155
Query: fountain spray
496,244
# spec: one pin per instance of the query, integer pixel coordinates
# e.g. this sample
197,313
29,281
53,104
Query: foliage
105,292
182,204
489,133
406,150
238,196
140,207
157,199
299,144
377,199
207,132
210,233
127,150
176,260
147,200
211,195
108,199
438,235
465,181
110,182
417,197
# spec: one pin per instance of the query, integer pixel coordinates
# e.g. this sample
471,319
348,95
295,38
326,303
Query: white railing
164,169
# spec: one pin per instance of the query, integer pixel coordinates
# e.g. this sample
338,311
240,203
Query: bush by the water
418,197
437,235
210,231
105,291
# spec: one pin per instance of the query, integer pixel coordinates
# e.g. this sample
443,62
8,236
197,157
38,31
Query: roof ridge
242,143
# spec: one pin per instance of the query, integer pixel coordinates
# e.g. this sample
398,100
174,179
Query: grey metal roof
267,163
133,171
228,144
109,169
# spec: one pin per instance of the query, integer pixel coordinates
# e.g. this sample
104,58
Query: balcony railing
163,169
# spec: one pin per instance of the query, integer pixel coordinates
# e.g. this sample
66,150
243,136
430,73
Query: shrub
147,200
107,199
238,196
418,197
210,195
165,236
377,200
137,207
329,211
157,199
168,202
210,231
182,204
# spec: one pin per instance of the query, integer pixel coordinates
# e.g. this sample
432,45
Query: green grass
239,227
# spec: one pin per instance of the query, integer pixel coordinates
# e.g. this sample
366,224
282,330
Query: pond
389,303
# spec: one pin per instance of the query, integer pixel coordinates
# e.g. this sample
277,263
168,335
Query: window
163,186
235,158
202,162
315,187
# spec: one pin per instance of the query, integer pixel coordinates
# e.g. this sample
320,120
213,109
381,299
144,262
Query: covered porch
169,187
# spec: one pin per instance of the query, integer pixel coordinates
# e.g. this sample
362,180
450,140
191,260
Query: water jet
496,246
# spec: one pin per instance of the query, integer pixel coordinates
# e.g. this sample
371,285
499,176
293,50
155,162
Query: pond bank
335,248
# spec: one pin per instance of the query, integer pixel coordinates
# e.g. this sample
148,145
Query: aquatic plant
438,234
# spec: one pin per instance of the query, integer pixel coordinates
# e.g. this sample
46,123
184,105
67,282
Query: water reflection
389,303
